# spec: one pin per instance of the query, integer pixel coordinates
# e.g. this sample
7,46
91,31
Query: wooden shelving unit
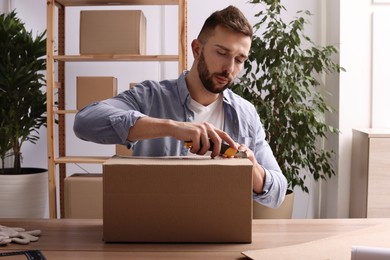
57,108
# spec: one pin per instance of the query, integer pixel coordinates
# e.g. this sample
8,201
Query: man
155,118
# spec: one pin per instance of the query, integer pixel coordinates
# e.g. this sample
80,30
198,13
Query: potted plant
281,80
23,107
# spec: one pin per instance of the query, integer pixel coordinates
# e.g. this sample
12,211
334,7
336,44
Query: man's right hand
199,134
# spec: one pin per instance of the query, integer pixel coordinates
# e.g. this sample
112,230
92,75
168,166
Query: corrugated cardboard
177,200
335,247
121,150
93,89
112,32
84,196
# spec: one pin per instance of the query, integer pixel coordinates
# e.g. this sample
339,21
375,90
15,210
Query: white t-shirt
213,114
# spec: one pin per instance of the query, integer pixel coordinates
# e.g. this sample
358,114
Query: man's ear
196,48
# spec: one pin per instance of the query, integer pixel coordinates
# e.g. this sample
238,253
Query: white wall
328,197
364,87
4,6
334,22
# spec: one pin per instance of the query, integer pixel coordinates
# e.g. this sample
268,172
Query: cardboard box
132,85
93,89
112,32
194,199
121,150
84,196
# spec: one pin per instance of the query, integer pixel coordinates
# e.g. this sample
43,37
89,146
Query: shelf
116,57
63,112
116,2
56,81
82,159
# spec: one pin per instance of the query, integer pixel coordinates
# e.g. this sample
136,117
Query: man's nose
228,65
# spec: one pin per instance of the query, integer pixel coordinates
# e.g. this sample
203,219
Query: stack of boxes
102,32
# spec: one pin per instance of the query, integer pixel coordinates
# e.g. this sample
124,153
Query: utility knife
226,150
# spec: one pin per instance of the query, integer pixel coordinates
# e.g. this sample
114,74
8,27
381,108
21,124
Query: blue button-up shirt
109,121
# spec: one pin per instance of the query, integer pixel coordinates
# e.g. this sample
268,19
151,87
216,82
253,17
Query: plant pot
23,195
283,212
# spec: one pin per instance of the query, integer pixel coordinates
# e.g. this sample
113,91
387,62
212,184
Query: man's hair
230,18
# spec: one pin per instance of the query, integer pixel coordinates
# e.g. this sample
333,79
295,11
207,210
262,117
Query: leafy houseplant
23,104
281,79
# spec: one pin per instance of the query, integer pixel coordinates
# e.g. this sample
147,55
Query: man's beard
207,79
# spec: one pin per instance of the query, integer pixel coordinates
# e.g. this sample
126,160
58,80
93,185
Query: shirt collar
182,88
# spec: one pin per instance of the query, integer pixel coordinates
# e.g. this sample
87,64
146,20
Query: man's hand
258,171
198,133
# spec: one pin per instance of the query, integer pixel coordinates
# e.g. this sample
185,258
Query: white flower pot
283,212
24,195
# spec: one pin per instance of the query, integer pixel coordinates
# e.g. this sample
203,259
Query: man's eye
239,61
221,53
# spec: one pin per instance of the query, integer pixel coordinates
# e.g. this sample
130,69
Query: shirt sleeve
275,183
106,122
274,190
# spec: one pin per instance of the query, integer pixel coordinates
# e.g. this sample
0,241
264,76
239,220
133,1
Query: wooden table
82,239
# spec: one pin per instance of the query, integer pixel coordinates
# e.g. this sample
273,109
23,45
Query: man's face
221,58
